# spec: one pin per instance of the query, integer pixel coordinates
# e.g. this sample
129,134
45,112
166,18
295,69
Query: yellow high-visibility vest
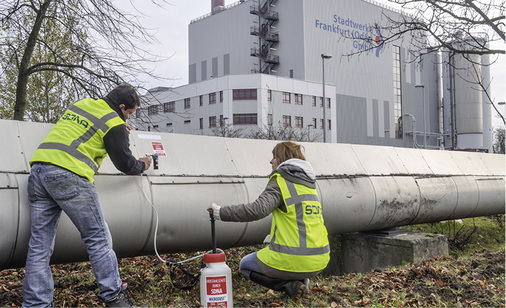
299,240
76,141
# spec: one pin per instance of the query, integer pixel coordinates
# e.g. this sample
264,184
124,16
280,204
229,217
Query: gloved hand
216,210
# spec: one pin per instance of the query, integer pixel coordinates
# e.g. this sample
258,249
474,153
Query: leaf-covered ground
476,280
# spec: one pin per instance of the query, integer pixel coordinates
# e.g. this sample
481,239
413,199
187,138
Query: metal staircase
267,39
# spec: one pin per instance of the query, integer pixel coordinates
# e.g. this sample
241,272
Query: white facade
197,118
379,94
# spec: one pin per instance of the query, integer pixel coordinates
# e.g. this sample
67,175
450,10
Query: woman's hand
216,210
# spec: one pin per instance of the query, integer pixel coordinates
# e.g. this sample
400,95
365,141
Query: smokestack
217,6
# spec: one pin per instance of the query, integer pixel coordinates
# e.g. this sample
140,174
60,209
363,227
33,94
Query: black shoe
292,288
122,299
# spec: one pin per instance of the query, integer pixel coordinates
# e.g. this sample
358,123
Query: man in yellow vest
299,247
61,178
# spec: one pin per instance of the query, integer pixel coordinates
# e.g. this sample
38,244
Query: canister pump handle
213,232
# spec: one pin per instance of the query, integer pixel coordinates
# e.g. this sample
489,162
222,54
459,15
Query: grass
471,276
468,235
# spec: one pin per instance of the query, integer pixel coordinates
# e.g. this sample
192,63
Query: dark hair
286,150
125,94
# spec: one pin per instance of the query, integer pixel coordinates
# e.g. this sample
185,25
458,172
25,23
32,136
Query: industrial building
255,64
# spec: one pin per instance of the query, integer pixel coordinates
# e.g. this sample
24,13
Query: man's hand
147,162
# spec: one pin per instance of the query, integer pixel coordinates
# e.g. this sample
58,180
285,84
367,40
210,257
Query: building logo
379,40
363,36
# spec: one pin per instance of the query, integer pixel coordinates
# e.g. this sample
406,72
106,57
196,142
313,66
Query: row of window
251,118
239,119
299,122
238,94
287,99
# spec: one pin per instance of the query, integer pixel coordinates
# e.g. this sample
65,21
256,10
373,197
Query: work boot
292,288
122,299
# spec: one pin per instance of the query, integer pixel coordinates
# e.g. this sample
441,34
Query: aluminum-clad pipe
361,188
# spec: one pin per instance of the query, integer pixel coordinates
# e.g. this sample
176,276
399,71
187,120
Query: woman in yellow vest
299,247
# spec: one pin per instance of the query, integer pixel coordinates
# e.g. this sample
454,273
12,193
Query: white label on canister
216,295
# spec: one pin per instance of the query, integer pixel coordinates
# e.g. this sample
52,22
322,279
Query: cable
156,231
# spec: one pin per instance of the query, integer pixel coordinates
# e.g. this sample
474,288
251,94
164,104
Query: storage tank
468,101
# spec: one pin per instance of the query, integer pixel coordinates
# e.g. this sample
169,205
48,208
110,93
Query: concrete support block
335,265
363,252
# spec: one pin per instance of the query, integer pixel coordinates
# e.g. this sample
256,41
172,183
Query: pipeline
361,188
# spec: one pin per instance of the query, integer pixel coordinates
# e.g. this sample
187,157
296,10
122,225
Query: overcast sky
170,25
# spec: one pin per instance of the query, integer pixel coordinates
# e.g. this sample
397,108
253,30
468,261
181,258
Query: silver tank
361,188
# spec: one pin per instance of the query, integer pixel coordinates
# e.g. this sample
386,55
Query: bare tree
463,28
284,132
48,92
499,140
227,130
104,43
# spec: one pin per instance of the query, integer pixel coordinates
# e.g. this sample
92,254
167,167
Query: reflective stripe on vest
302,250
72,149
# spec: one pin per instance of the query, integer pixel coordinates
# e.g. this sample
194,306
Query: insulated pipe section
361,188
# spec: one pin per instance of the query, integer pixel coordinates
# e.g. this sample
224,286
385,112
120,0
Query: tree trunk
20,106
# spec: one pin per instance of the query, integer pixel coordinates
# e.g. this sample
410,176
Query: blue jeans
52,189
249,264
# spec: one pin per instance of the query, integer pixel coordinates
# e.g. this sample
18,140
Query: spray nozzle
155,160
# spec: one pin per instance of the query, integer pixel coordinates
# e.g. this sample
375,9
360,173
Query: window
245,118
138,113
286,97
329,127
201,123
298,99
152,110
169,107
212,98
321,101
239,94
187,104
287,121
314,101
187,121
212,121
269,95
314,123
201,100
299,122
221,96
397,91
328,102
321,124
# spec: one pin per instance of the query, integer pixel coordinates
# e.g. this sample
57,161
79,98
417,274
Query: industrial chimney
217,6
